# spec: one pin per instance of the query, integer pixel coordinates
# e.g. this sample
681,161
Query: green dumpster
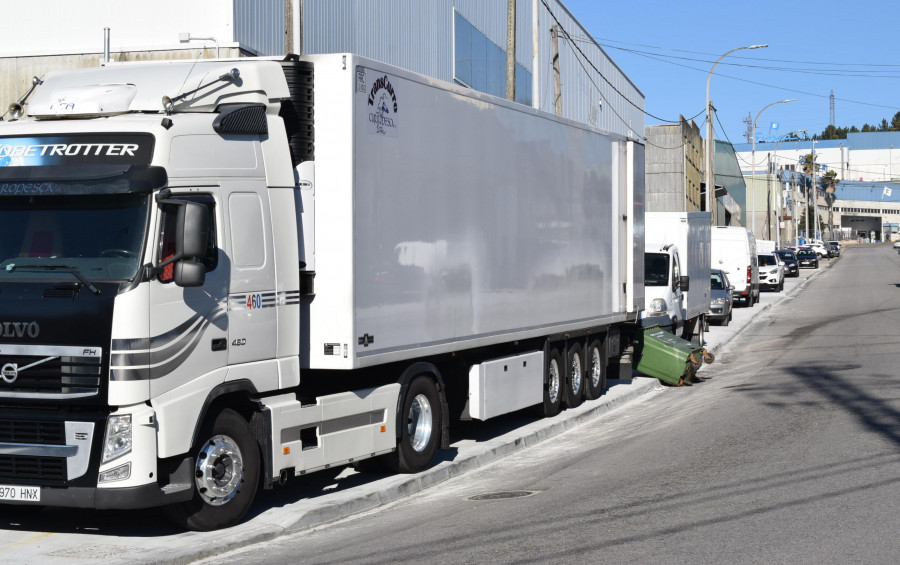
667,357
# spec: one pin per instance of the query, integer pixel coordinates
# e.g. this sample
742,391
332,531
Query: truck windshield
93,237
656,269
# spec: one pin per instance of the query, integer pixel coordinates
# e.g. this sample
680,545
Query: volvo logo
9,372
19,329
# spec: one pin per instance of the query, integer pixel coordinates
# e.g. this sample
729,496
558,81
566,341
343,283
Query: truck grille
30,431
19,468
46,373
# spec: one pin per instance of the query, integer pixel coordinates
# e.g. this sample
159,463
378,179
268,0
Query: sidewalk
141,537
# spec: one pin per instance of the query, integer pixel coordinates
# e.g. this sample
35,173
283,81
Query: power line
565,35
603,39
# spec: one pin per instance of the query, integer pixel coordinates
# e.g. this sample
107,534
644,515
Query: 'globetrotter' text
69,150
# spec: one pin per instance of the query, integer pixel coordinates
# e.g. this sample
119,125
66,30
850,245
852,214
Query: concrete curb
303,515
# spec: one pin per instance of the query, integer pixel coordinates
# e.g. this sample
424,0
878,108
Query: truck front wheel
226,476
420,428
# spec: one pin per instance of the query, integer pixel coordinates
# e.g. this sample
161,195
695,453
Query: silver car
720,298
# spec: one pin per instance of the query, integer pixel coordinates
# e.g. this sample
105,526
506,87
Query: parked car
837,244
897,244
808,258
721,296
833,250
771,272
791,265
819,248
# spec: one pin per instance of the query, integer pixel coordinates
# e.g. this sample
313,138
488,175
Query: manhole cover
503,495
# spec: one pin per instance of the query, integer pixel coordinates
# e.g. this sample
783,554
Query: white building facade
866,202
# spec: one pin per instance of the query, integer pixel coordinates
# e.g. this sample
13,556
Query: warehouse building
461,41
864,205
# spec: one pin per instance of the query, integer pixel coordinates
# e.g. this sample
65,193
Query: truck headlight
657,306
117,441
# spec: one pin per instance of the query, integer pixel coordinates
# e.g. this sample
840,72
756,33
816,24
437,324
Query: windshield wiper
12,266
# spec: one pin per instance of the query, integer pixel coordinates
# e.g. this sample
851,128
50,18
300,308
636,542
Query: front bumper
717,312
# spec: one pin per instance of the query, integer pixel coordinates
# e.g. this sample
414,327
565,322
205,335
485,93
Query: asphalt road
644,475
786,453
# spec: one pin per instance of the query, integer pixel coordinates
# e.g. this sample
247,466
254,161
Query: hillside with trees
832,132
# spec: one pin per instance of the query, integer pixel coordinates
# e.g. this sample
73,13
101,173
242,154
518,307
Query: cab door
188,327
252,300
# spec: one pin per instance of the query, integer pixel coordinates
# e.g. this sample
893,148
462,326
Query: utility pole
511,50
557,87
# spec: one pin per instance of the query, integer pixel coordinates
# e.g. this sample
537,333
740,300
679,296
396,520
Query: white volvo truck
217,275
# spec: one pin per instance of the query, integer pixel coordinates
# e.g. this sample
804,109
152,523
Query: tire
226,475
727,320
574,376
698,337
781,286
553,389
595,379
420,428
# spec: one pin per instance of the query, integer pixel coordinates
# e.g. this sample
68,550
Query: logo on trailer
383,108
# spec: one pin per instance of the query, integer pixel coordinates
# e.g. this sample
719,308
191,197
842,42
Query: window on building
480,63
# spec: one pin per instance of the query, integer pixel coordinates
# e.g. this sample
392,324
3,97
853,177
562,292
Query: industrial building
674,173
864,205
461,41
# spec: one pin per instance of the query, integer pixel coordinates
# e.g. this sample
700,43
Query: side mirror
192,231
189,273
730,288
685,283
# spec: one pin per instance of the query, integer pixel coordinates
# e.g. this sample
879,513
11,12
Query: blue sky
668,47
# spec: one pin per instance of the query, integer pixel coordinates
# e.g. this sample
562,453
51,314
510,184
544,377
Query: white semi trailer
216,275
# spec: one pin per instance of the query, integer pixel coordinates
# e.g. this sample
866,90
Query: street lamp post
775,161
753,159
811,189
710,143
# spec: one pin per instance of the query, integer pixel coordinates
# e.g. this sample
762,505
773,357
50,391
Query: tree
895,121
808,163
829,181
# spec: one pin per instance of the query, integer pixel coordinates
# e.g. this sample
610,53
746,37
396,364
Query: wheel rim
219,470
575,375
420,422
553,381
595,368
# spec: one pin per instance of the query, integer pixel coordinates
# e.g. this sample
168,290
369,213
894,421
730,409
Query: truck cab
664,289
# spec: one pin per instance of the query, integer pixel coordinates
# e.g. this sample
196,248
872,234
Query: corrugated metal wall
418,36
413,34
259,25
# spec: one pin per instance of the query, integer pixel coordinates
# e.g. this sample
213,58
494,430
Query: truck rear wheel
420,428
575,377
553,389
595,380
226,476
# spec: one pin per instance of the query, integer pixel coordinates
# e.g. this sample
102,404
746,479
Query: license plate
20,493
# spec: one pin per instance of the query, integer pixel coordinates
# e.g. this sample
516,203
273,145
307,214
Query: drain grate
503,495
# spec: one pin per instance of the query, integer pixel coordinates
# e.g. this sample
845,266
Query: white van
734,251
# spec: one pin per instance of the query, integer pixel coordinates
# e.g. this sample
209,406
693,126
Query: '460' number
254,301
